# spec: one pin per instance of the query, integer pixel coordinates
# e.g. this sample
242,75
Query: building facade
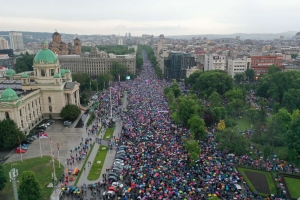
16,41
61,48
29,97
260,64
177,63
96,62
3,43
215,62
237,66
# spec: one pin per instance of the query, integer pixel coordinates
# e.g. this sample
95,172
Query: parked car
24,147
119,160
50,121
117,184
67,123
113,178
43,127
118,163
39,130
18,150
46,124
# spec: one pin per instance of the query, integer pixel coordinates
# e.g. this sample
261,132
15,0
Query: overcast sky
168,17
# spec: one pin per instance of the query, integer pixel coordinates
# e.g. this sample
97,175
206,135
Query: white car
118,163
119,160
117,184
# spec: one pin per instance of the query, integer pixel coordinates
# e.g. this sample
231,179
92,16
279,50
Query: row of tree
115,49
152,58
24,62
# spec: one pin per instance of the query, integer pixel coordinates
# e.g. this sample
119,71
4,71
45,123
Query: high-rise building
215,62
16,41
3,43
129,34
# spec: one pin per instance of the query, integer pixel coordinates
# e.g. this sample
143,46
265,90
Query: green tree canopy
229,140
197,127
84,79
239,77
103,80
213,81
293,135
70,112
250,73
234,94
24,63
9,133
29,187
273,69
215,100
218,113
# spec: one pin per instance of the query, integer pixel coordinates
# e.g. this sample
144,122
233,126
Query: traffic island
43,169
98,162
259,181
108,134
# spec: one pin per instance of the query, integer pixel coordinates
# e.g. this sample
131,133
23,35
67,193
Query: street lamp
13,178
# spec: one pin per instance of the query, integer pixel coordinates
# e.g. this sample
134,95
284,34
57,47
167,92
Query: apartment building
215,62
260,64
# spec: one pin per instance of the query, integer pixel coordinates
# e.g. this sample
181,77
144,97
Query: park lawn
243,123
268,175
108,134
96,168
85,161
42,167
293,186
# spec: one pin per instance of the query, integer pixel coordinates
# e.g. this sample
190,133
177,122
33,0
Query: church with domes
61,48
31,96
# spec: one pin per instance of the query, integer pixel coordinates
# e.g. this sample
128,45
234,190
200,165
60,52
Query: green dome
24,75
45,56
10,72
56,75
62,72
67,71
9,95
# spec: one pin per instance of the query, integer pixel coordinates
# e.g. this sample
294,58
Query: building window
49,99
21,113
50,108
43,72
6,115
52,72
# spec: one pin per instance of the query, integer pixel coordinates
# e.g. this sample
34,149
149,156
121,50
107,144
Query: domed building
297,36
29,97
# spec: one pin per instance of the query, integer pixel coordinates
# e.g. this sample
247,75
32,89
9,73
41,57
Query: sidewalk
110,156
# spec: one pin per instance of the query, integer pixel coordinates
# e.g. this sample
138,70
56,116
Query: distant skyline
176,17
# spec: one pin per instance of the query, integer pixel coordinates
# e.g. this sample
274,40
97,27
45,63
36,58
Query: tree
70,112
221,125
3,179
293,135
118,69
9,134
229,140
235,108
250,74
29,187
215,100
197,127
267,151
170,96
212,81
24,63
273,69
239,77
84,98
186,109
252,114
84,79
291,99
167,90
218,113
104,80
234,94
294,55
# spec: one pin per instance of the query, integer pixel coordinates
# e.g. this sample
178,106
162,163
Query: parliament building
29,97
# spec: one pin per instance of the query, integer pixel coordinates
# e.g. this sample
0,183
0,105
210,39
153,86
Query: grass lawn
42,167
293,186
96,168
85,161
243,123
108,133
271,183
